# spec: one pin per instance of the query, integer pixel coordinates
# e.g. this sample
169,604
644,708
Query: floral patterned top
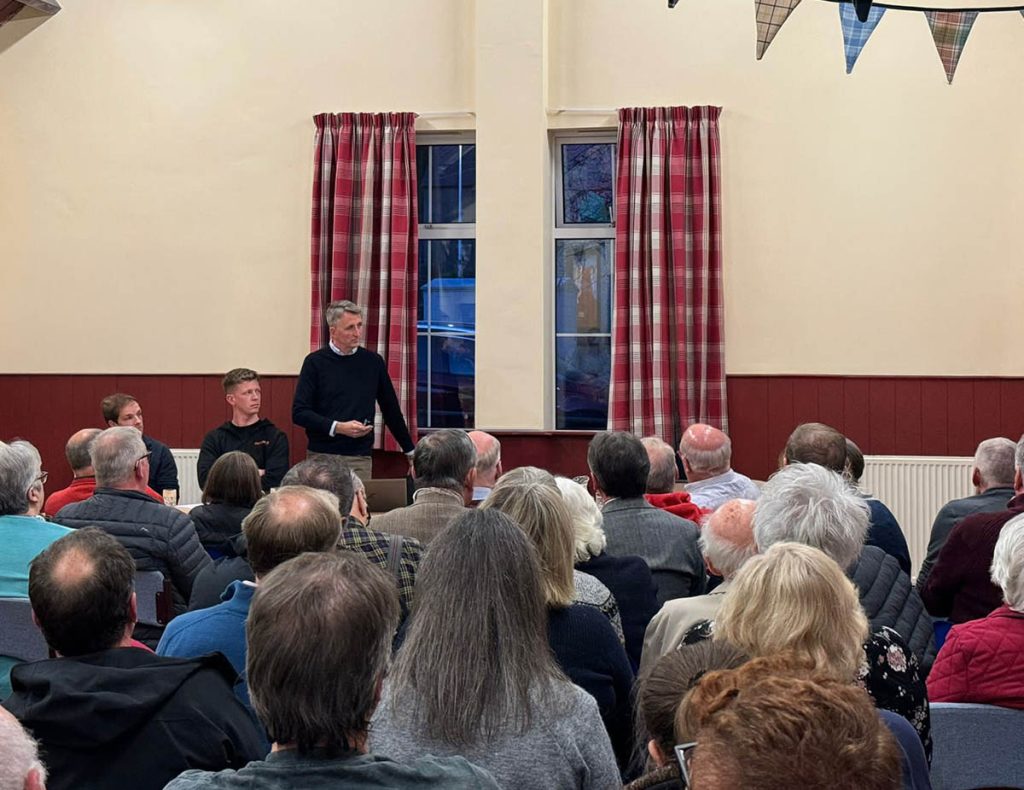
890,674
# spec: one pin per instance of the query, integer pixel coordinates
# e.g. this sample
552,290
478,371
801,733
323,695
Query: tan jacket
670,624
430,512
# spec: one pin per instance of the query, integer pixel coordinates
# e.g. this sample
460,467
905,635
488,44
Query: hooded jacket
126,718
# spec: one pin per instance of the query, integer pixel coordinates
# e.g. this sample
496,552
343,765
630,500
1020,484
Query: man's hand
352,428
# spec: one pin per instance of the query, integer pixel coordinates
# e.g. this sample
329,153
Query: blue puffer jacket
159,538
889,599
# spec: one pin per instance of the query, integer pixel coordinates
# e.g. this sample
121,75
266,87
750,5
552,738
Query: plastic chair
19,637
976,746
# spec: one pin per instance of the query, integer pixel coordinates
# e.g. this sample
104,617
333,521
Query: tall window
446,330
584,236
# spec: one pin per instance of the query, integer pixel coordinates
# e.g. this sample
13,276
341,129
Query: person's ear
34,780
976,477
1018,482
111,424
655,751
133,609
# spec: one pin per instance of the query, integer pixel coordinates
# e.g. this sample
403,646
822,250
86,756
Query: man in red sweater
959,586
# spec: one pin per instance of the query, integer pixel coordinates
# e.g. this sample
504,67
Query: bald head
706,452
288,522
727,538
78,448
488,458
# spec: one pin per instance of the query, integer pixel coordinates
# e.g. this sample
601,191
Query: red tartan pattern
364,240
668,367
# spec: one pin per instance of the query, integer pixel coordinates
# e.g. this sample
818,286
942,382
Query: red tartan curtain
364,239
667,363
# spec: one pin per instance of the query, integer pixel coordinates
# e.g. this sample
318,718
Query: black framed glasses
684,754
143,457
42,477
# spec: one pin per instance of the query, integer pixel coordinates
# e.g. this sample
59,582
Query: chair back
976,746
153,598
19,636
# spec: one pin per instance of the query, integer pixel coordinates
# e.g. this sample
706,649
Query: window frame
561,231
440,231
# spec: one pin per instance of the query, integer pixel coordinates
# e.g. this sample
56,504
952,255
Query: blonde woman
795,599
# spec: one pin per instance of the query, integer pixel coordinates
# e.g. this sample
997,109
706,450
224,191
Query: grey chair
153,598
976,746
19,636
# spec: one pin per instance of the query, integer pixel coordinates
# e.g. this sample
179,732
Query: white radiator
188,481
914,487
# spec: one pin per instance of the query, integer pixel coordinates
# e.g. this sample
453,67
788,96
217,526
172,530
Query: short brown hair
817,443
80,587
319,637
289,522
238,376
765,725
234,480
112,404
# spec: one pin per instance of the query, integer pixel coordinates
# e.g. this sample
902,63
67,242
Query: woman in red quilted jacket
980,661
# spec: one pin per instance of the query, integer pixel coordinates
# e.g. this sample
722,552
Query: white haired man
992,478
706,453
338,390
488,463
661,481
20,768
727,541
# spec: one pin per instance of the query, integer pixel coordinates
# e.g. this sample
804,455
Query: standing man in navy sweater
338,389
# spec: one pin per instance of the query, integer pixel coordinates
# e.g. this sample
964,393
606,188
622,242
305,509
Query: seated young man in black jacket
246,431
108,714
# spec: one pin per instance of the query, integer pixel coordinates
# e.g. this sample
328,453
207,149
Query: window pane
582,370
448,401
453,193
583,284
587,183
447,275
423,182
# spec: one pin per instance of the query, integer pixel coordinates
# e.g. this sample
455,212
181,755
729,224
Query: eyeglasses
684,754
43,477
143,458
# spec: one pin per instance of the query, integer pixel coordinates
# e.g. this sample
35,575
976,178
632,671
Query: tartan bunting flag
855,32
771,15
950,30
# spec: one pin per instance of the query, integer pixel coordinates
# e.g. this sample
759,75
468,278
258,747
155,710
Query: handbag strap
395,556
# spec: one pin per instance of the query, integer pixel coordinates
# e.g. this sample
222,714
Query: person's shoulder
155,445
430,771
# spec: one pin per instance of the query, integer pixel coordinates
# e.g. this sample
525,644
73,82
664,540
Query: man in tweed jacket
668,544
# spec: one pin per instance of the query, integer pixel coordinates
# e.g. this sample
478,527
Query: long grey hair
476,659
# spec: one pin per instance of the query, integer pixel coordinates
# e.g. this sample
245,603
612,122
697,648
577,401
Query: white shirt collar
339,352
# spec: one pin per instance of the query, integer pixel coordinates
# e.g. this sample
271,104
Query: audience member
668,544
399,556
532,499
232,488
123,410
661,480
815,443
627,578
359,515
759,728
83,481
794,599
107,714
319,636
992,478
337,392
706,453
246,432
20,767
959,586
981,659
501,702
810,504
444,466
160,538
661,688
23,532
727,541
488,463
282,525
584,640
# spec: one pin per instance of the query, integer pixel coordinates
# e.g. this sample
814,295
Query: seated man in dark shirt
319,636
108,714
121,409
246,431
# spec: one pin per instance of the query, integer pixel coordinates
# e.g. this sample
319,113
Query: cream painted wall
155,176
872,221
156,169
